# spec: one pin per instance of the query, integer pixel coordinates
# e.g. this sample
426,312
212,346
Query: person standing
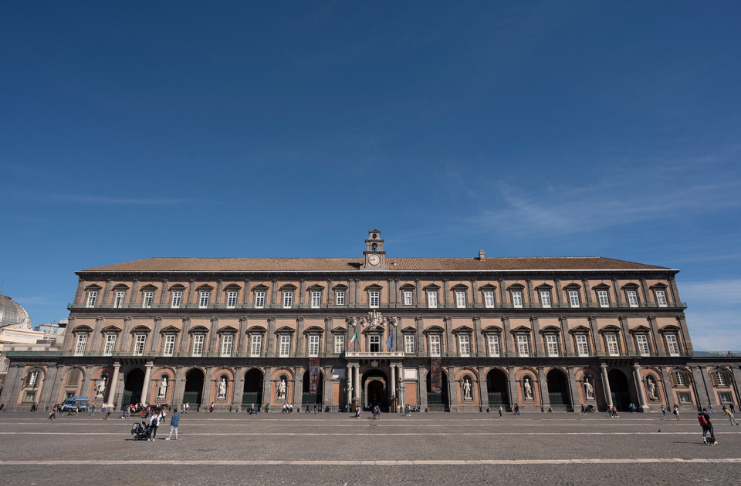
731,418
500,411
707,426
154,423
663,410
174,423
53,414
676,411
211,407
732,407
710,406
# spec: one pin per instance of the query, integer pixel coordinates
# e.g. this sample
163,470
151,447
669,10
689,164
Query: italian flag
354,338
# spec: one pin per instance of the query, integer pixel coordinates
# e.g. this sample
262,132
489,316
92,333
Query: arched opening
437,401
312,398
619,389
375,390
252,392
496,383
193,387
133,387
558,389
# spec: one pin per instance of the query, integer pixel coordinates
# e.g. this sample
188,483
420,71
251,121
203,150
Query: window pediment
93,287
204,288
409,330
640,330
459,288
141,330
260,288
287,288
492,330
659,286
148,288
232,287
434,330
550,330
110,330
177,288
544,286
285,330
580,330
670,329
610,330
407,286
516,286
601,286
373,287
198,330
120,288
340,287
432,287
572,286
256,330
170,330
313,330
630,286
462,330
315,288
521,330
227,330
338,330
82,329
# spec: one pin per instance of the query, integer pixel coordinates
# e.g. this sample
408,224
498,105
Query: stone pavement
434,448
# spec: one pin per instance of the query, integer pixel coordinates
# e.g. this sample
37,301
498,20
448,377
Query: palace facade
457,334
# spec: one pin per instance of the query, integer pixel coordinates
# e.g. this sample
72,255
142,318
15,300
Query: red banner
436,375
314,374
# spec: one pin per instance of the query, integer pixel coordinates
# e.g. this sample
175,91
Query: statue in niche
222,388
651,388
100,388
528,389
467,389
588,389
162,392
282,389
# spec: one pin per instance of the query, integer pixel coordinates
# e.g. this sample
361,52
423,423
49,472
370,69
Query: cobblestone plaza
334,448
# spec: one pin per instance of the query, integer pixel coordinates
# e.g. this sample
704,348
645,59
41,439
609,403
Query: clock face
374,259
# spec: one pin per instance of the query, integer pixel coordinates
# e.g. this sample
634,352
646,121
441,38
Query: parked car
72,403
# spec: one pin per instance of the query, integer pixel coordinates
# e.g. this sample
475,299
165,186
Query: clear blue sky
214,129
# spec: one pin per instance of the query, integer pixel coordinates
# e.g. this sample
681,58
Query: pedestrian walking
154,423
211,407
707,426
615,412
267,408
732,407
307,408
516,409
731,418
676,411
663,410
174,423
92,410
53,414
33,408
315,409
710,408
500,411
583,410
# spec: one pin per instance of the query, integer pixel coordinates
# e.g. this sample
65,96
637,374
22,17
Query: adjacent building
457,334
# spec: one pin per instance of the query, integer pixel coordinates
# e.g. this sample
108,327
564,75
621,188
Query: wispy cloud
726,292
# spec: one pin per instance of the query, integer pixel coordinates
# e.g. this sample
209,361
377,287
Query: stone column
163,292
357,383
113,387
628,341
568,340
238,389
618,294
596,339
298,388
300,336
530,295
245,300
302,293
483,389
506,336
348,386
213,338
446,292
685,336
537,338
179,386
267,387
587,291
241,335
97,335
147,377
123,344
545,399
450,349
207,385
402,390
49,380
270,338
191,292
106,291
327,395
646,294
79,292
478,344
573,387
86,382
668,388
219,291
184,338
273,294
502,294
606,385
511,392
12,382
698,375
392,385
422,387
154,343
639,387
418,291
419,324
474,292
559,296
357,293
133,297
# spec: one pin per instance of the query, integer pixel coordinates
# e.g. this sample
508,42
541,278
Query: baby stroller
140,431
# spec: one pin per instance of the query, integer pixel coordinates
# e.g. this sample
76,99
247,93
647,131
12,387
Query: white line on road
378,434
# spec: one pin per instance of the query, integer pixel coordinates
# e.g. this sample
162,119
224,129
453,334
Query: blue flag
390,342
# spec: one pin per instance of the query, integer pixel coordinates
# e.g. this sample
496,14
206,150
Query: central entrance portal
375,390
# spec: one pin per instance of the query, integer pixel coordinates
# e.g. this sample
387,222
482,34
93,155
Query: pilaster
573,387
537,338
627,338
606,384
208,384
545,399
568,339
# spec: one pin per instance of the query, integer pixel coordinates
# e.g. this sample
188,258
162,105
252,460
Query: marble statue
651,388
222,388
528,389
282,389
467,389
100,389
588,389
162,393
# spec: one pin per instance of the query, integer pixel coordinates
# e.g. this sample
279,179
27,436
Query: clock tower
375,257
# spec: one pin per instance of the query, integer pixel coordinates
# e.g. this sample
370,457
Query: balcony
371,354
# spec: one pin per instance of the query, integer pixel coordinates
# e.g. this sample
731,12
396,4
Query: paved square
338,449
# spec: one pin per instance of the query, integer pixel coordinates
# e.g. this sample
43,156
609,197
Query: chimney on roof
482,256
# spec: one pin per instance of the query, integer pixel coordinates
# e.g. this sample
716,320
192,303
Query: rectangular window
339,343
604,300
169,348
227,342
287,299
545,298
434,345
110,344
81,343
285,346
492,342
672,345
30,396
582,345
643,347
551,342
523,345
407,297
684,398
340,297
679,378
574,298
460,300
661,298
374,298
489,299
92,296
147,299
720,379
464,344
375,343
409,343
316,300
725,397
139,343
256,345
632,298
198,340
613,349
177,298
203,300
432,299
259,300
231,299
118,302
313,345
516,298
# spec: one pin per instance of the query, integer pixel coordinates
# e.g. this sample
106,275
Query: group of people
585,409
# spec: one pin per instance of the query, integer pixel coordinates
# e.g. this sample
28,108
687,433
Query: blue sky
214,129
